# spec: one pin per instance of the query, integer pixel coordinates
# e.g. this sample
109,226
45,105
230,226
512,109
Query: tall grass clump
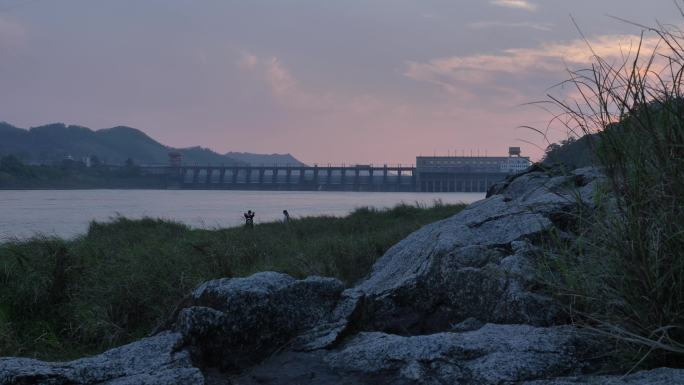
623,276
61,299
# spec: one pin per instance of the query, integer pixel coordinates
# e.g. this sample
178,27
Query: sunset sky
375,81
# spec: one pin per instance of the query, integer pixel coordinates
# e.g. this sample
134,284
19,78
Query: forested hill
58,141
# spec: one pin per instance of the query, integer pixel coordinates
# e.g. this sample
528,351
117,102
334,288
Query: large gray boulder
234,323
478,263
158,360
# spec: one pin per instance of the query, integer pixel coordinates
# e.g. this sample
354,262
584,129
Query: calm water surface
66,213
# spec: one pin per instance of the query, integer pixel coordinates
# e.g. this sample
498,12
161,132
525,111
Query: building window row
438,162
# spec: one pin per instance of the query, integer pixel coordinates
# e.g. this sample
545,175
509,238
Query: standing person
286,217
249,218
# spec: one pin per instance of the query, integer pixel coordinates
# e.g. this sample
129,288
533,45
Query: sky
374,81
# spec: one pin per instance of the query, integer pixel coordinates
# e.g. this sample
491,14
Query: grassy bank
62,299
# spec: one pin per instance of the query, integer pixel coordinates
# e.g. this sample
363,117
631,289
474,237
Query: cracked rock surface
477,263
254,316
456,302
493,354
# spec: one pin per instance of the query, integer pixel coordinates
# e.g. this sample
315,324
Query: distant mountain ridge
57,141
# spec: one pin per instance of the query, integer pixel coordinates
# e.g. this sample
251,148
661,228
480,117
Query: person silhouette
286,217
249,218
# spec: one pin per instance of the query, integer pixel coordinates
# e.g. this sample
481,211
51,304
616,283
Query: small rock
150,361
662,376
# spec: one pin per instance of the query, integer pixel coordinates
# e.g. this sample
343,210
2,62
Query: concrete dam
429,174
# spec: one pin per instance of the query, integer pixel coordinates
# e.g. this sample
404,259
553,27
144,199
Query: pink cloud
517,4
458,73
248,61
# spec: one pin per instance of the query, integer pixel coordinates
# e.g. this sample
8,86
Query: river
66,213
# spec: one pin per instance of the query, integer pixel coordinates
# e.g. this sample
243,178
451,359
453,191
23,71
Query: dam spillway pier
294,178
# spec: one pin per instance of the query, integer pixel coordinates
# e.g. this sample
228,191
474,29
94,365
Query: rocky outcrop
490,355
254,316
478,263
454,303
493,354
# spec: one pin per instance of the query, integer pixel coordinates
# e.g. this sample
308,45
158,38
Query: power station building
466,173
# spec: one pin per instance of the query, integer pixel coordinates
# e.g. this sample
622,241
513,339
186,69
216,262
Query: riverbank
66,298
15,175
87,183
